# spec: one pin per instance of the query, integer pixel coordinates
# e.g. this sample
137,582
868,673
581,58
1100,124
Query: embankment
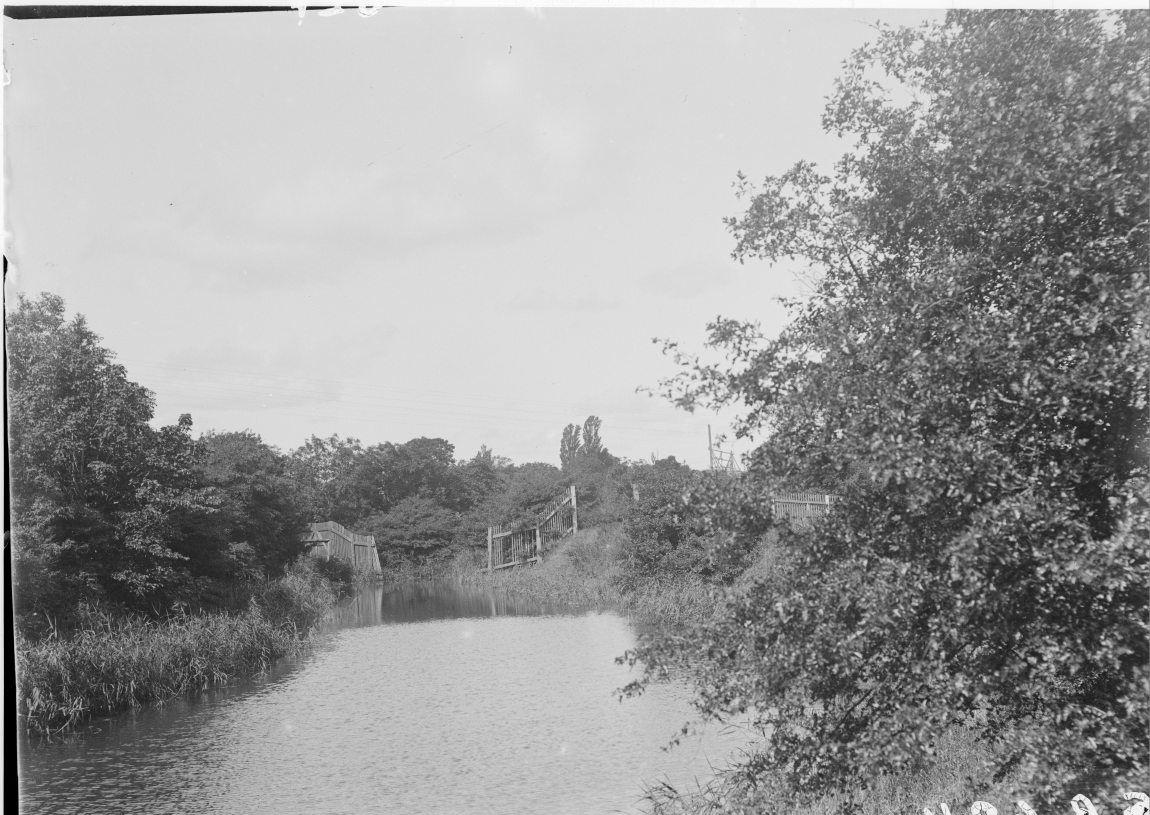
585,571
112,663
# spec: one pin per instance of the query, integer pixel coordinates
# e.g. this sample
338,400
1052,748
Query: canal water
421,700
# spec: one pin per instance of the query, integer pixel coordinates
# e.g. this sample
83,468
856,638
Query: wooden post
538,545
574,512
489,549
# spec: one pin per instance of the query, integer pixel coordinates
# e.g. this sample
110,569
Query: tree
481,476
416,528
105,507
592,442
336,480
258,507
972,369
594,472
662,536
423,467
528,489
570,446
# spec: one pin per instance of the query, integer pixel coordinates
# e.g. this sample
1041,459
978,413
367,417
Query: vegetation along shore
110,662
966,385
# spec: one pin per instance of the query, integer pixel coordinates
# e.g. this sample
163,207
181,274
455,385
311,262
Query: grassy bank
583,572
112,663
579,573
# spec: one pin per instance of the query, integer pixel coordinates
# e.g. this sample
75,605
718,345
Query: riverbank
111,663
584,572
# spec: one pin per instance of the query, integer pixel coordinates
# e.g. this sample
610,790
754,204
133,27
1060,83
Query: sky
457,223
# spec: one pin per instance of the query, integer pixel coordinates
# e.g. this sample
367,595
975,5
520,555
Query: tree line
108,509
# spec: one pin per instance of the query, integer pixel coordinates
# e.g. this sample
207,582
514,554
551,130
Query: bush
340,574
661,535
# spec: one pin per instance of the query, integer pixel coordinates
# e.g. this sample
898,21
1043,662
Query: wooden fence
332,540
525,544
801,508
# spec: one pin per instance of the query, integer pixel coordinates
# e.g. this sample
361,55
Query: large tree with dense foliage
104,506
972,373
336,479
422,467
259,511
343,481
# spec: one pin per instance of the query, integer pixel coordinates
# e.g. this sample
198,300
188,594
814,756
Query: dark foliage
259,508
104,506
662,534
972,371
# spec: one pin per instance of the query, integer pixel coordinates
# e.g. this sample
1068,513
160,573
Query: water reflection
420,602
429,699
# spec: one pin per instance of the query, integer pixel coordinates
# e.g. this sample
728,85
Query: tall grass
579,574
583,572
459,567
112,663
672,601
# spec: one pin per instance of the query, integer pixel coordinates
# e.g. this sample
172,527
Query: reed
672,601
112,662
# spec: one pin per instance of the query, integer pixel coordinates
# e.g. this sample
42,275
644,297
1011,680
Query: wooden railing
525,544
801,508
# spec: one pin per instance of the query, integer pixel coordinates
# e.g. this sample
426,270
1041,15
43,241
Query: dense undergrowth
110,662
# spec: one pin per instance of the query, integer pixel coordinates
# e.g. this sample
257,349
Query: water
423,700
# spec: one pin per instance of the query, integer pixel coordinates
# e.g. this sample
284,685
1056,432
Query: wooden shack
328,539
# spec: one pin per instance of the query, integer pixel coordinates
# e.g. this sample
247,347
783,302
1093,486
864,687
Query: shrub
660,534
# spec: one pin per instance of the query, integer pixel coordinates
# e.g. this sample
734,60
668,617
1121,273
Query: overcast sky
457,223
